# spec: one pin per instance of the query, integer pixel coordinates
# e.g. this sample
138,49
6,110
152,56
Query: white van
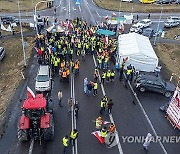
43,79
175,18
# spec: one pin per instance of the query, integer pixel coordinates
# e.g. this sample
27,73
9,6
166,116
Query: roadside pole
22,37
158,25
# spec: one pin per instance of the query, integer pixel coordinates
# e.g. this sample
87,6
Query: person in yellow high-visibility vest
104,132
95,87
65,142
73,136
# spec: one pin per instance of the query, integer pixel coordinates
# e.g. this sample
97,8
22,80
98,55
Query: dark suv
152,83
9,19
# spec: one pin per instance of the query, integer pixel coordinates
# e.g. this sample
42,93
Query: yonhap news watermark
154,139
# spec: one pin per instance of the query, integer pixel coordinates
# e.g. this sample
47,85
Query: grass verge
10,69
169,57
171,32
135,7
25,5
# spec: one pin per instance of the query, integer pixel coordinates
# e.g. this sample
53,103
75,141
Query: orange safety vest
67,71
62,64
64,74
76,66
112,128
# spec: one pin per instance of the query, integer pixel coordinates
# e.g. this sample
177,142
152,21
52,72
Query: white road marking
110,115
59,4
81,12
31,147
98,14
69,12
147,118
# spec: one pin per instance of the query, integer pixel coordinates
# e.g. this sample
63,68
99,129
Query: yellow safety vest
65,141
98,123
108,74
112,74
56,63
129,72
73,135
95,86
104,75
103,133
102,104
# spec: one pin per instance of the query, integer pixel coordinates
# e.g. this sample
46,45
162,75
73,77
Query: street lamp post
22,37
35,10
158,25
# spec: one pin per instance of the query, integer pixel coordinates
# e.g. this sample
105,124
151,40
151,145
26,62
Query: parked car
146,82
43,79
9,19
2,53
149,32
147,1
145,22
137,28
164,1
171,23
175,18
177,1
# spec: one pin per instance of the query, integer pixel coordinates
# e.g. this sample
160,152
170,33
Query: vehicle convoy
36,121
153,83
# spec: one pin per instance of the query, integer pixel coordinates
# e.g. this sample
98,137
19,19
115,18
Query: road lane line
74,99
98,14
31,147
72,113
110,115
59,4
69,10
81,12
147,118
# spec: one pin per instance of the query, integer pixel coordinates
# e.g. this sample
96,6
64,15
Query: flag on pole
30,93
113,14
106,17
98,136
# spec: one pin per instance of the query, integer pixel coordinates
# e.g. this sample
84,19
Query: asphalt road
129,118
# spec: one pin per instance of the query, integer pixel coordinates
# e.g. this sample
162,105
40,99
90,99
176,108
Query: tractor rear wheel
49,132
23,135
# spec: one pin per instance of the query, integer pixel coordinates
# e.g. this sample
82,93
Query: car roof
149,77
146,20
43,70
148,29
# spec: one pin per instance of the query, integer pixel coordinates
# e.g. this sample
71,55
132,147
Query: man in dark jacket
109,106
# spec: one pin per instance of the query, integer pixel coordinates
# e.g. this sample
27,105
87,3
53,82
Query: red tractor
36,121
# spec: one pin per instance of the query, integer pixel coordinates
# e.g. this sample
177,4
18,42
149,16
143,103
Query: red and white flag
106,17
113,14
97,134
30,93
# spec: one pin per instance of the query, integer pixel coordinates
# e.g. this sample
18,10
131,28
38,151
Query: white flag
3,28
9,29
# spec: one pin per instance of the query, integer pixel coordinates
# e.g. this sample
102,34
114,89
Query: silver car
43,79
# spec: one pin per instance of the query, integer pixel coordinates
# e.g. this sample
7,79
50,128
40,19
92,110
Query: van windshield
42,78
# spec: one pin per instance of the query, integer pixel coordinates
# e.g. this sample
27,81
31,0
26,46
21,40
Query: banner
173,110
